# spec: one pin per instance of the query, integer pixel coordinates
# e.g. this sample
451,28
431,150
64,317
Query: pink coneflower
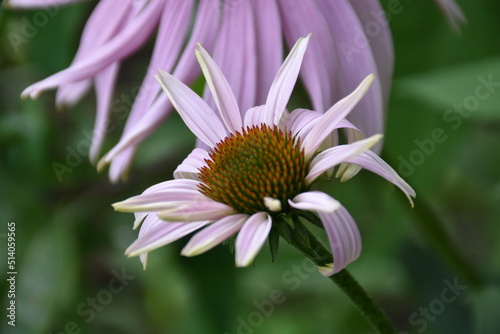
246,40
258,168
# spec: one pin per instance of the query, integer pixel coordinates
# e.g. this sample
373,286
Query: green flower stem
302,239
364,302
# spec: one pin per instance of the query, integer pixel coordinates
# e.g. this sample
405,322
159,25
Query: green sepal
274,243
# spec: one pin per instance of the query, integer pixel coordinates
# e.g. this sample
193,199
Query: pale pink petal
164,229
214,234
319,69
190,167
197,210
251,238
160,233
123,44
344,238
159,201
284,82
170,185
268,48
372,162
221,91
314,201
330,120
301,121
197,115
353,135
255,116
338,154
173,185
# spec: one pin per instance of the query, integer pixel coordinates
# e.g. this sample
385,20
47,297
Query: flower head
258,167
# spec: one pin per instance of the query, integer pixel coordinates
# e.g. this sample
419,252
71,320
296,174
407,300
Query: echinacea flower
259,166
245,37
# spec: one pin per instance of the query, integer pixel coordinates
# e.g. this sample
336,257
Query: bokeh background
70,242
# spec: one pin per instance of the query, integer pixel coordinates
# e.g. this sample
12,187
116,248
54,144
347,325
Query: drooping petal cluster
342,53
258,164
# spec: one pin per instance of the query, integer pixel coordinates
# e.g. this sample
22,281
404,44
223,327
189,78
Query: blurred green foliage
70,242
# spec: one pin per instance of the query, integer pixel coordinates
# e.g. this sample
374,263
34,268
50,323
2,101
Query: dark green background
70,241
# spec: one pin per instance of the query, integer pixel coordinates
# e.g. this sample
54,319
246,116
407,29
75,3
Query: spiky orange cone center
259,162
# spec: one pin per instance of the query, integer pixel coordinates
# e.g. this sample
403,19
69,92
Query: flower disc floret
259,162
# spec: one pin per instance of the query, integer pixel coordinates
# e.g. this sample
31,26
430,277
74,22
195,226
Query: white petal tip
242,264
102,164
326,270
272,204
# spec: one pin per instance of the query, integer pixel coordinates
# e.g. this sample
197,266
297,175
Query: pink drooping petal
268,48
329,121
68,95
251,237
371,15
104,86
355,63
195,112
156,233
186,70
314,201
319,69
372,162
255,116
344,237
190,167
191,211
33,4
221,91
338,154
214,234
121,155
159,201
284,82
173,27
453,13
107,18
234,52
124,43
